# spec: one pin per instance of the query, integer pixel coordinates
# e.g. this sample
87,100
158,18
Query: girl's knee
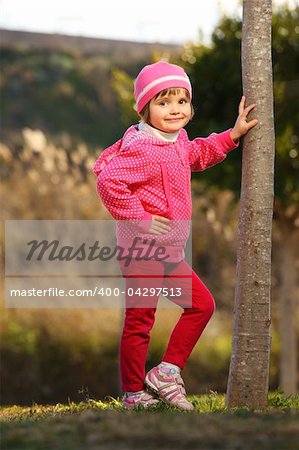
211,306
206,306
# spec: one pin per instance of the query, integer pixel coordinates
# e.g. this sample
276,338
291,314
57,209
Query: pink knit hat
156,77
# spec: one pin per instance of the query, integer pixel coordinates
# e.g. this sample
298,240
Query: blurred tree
57,92
249,368
122,83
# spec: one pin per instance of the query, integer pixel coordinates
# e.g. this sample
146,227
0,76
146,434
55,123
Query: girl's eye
162,103
183,102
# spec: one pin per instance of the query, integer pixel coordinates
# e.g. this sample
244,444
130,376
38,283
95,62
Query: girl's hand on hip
241,126
159,225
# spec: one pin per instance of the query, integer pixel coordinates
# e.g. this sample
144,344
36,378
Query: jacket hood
106,156
131,137
113,150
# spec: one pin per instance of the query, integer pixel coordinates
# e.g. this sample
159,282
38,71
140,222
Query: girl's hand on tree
159,225
241,126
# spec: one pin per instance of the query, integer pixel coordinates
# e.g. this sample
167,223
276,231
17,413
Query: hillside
63,84
86,45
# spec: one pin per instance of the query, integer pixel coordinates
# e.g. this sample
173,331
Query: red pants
195,299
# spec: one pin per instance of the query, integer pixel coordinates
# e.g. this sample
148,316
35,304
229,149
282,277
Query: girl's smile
170,113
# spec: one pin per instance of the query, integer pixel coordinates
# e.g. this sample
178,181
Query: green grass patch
106,425
209,403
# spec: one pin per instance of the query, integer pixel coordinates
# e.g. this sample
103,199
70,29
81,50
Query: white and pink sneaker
145,399
169,387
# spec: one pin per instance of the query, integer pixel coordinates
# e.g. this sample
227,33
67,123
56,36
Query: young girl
144,179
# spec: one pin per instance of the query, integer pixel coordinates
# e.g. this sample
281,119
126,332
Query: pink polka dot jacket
141,175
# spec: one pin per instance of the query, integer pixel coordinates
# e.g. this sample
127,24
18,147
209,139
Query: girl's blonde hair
145,112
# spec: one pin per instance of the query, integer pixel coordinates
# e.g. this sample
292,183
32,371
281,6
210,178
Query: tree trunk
249,368
288,311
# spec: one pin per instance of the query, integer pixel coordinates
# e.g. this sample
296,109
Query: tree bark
249,368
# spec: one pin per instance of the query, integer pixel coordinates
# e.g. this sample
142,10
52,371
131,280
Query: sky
168,21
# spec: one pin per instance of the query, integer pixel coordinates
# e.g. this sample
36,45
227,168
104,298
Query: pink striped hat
156,77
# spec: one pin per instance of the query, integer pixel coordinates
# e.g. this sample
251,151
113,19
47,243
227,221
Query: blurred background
66,92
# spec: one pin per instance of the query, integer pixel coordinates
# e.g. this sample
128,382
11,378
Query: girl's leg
138,322
134,343
194,319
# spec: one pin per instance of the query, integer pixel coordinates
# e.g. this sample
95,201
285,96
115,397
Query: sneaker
144,399
170,388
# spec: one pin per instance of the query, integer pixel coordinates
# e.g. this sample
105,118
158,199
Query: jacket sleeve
115,186
206,152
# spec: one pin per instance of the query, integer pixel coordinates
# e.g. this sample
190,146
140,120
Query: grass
93,424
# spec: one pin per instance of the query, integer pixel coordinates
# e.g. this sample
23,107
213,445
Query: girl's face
170,113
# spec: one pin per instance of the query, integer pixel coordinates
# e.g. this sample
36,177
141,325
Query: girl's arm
205,152
123,205
114,179
115,185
